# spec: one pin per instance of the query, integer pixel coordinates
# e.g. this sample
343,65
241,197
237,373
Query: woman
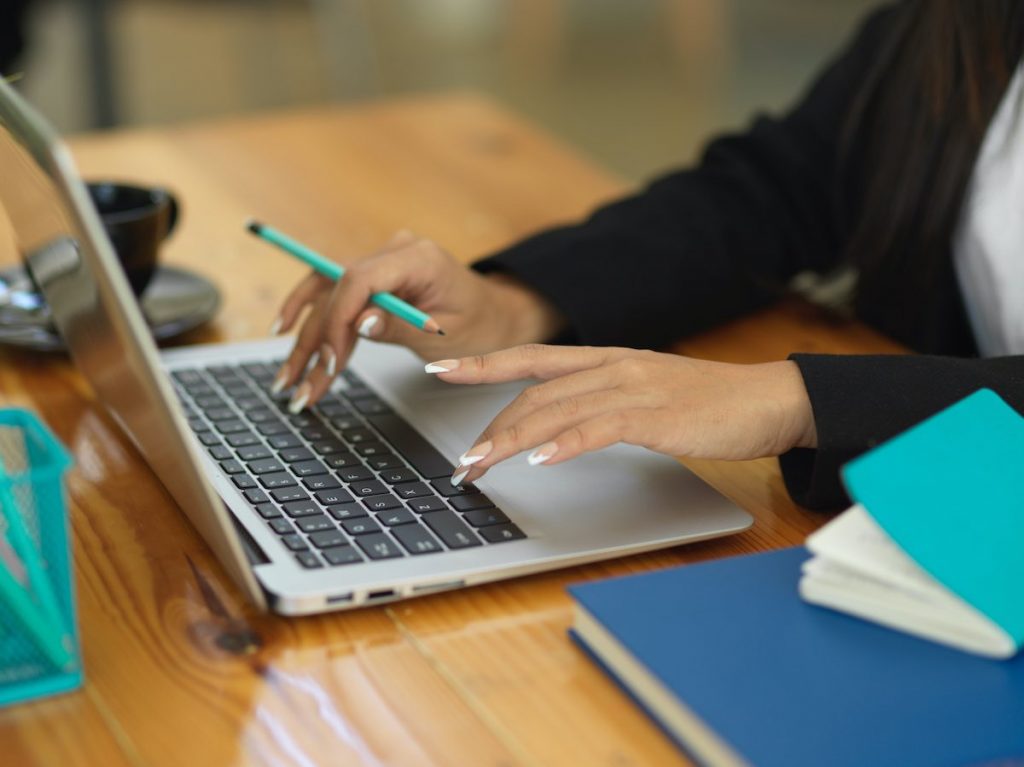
905,161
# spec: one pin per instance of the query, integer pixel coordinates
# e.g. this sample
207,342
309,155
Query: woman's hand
590,398
477,313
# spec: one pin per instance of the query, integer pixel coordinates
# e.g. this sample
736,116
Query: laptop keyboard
346,481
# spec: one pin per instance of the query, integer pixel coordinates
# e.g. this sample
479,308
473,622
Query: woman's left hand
590,398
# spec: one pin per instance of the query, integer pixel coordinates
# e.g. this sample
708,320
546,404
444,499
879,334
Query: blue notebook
737,669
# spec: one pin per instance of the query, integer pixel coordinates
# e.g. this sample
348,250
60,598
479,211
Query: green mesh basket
39,652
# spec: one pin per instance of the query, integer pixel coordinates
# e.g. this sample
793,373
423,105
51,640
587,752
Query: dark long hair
922,114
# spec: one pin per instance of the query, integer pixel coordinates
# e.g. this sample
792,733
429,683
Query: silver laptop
348,503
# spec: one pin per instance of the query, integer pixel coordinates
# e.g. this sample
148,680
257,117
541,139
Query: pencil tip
253,226
441,332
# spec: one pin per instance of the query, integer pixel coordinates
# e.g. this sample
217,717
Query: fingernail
299,399
457,478
367,325
441,366
476,453
330,360
542,454
281,380
276,327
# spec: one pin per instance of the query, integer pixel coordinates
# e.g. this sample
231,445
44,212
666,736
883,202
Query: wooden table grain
180,670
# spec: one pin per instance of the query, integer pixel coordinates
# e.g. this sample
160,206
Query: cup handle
172,215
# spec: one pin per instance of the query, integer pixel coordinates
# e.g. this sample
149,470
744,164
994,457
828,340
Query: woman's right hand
477,313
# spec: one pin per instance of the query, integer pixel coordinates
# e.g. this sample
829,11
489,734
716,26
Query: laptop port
380,594
437,587
338,599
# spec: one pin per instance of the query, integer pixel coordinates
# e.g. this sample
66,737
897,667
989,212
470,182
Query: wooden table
180,670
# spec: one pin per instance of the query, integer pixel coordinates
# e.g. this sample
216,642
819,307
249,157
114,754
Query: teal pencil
386,301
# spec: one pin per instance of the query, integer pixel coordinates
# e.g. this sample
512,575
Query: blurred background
637,84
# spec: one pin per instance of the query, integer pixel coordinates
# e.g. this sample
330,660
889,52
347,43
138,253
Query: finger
312,285
306,344
535,398
635,426
536,429
528,361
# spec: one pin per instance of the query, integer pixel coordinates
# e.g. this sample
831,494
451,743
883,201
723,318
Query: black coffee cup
137,220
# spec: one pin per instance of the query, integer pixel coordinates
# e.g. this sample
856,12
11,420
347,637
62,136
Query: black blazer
701,246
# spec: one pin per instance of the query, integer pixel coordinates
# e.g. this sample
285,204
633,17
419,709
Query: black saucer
175,301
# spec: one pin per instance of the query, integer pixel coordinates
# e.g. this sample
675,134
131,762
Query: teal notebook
935,545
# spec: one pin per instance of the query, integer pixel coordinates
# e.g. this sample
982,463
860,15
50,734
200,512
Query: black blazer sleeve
701,246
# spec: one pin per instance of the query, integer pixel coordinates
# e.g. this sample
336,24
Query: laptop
348,503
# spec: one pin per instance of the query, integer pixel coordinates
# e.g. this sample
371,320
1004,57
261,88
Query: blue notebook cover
785,683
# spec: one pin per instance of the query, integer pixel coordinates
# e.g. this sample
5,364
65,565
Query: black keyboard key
412,490
251,406
273,428
396,517
301,509
201,390
253,453
416,539
328,538
359,392
221,371
370,449
258,369
220,453
346,511
341,423
231,427
304,420
281,526
398,476
372,406
342,460
351,377
315,524
331,497
378,546
411,445
243,481
255,496
295,542
293,454
361,434
284,441
499,533
382,503
385,461
341,555
231,466
451,530
448,490
426,505
329,447
266,466
289,494
308,468
262,415
198,425
485,517
333,410
237,388
210,402
470,502
360,526
220,414
361,489
210,439
355,474
187,376
321,482
274,481
308,560
243,439
316,433
268,511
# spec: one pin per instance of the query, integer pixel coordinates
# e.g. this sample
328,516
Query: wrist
528,317
798,419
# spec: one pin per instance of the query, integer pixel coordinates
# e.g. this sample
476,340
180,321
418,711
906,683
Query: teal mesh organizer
39,652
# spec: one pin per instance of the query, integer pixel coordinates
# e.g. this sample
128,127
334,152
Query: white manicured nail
276,327
366,328
330,359
441,366
280,381
299,400
542,454
476,453
457,478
